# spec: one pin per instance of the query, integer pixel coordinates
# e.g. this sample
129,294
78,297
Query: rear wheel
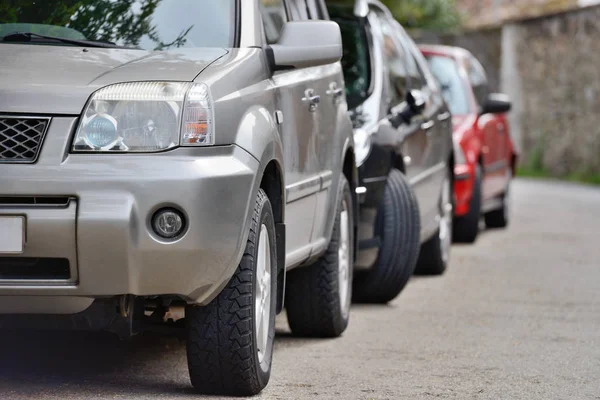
318,296
435,253
466,228
500,218
398,226
230,340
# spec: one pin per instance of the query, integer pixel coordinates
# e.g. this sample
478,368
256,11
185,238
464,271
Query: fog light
168,223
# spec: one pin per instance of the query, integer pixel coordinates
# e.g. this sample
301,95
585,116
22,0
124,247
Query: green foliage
432,15
119,21
534,168
527,172
112,21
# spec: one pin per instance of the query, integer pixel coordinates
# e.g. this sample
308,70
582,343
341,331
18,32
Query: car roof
449,51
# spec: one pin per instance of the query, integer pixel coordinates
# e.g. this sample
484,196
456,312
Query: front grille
21,138
28,268
35,201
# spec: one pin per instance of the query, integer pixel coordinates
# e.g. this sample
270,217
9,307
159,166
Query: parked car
487,156
403,142
137,183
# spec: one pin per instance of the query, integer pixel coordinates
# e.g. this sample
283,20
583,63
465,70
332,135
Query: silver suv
174,158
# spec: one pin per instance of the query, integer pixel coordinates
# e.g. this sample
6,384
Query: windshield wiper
26,37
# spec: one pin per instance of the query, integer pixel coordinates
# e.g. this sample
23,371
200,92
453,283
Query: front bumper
104,231
464,182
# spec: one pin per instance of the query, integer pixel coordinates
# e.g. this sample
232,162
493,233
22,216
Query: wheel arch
398,162
350,171
258,134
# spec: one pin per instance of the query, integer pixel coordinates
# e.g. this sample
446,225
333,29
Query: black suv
403,139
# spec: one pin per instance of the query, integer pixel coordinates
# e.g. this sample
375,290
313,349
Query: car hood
60,79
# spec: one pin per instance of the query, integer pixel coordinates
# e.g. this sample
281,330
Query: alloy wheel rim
344,262
446,222
262,302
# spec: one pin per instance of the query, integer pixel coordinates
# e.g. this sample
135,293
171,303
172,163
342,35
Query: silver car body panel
29,85
260,118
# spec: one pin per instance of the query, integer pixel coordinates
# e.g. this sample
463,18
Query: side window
356,59
395,60
317,10
478,80
298,10
415,69
274,17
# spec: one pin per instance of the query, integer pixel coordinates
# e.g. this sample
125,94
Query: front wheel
466,228
230,341
398,226
499,218
435,253
318,297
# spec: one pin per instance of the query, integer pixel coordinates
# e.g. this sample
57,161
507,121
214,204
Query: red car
485,157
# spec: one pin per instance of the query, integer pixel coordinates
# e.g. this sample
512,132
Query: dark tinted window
395,60
298,10
446,72
417,74
147,24
274,17
356,60
478,80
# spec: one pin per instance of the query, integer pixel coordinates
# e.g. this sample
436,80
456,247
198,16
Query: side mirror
496,103
416,102
414,105
306,44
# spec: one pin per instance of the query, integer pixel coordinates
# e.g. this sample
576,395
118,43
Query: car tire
229,343
499,218
318,296
466,228
398,226
435,253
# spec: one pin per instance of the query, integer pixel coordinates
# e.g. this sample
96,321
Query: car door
434,122
332,110
295,91
494,162
411,142
422,148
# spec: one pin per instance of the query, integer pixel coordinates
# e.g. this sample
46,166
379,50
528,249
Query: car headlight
146,117
459,154
362,146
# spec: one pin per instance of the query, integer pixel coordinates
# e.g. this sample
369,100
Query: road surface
517,316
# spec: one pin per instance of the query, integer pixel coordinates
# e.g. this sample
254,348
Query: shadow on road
94,362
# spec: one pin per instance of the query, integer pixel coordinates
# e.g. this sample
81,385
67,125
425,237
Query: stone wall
486,45
487,13
550,67
559,67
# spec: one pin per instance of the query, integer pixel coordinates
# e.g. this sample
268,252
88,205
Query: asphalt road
517,316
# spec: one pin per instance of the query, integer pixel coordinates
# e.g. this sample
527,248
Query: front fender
258,134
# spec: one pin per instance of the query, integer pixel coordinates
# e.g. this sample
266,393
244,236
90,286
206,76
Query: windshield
144,24
356,61
446,72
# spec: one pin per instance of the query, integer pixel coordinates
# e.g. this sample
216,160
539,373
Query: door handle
426,126
443,116
334,90
312,99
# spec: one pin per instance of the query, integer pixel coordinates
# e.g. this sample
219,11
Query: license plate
12,234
